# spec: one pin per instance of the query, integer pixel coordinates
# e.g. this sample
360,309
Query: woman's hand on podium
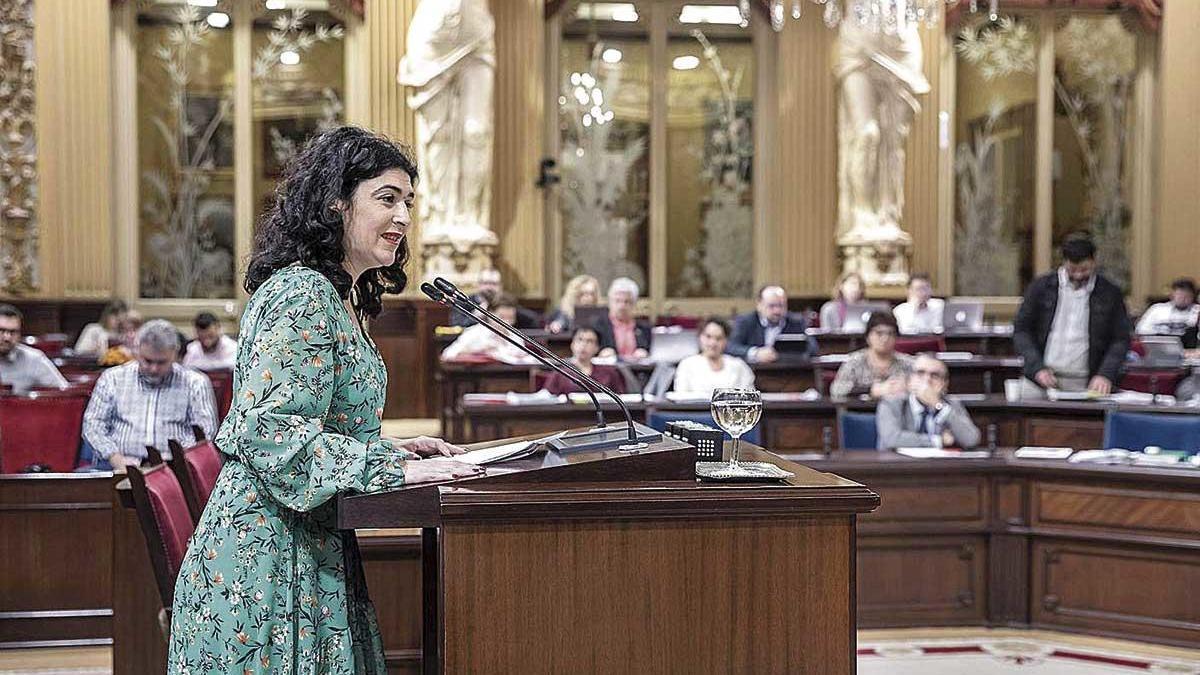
438,469
425,446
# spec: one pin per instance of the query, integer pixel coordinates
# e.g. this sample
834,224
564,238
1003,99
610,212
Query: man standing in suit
754,334
1072,328
925,418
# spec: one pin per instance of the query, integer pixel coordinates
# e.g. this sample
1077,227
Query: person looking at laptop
925,418
922,313
1072,328
849,290
1174,317
622,335
755,333
585,344
712,368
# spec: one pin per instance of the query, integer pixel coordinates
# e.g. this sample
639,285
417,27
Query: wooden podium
608,562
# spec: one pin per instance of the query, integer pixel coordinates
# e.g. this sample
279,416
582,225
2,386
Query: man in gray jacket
925,417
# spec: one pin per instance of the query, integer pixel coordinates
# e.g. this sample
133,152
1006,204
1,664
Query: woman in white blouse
712,368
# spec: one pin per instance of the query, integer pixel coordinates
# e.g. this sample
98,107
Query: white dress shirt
1067,344
221,358
913,319
1165,318
695,376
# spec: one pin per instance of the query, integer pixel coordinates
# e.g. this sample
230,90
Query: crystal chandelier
880,16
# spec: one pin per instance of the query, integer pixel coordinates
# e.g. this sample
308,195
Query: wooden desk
1107,550
571,564
56,548
978,375
994,342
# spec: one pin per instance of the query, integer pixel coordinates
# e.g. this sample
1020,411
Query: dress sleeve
287,388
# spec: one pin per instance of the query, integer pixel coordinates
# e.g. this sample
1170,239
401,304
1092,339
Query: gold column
518,105
74,132
1176,248
921,164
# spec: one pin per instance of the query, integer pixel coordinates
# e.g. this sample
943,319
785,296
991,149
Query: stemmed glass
736,411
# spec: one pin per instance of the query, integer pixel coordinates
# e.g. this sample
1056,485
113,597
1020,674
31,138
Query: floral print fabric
269,585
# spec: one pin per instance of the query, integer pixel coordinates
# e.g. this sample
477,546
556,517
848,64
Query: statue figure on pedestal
449,66
879,75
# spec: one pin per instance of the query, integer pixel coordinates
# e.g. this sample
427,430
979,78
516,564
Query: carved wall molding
18,150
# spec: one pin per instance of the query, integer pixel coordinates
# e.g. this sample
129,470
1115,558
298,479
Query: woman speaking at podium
269,585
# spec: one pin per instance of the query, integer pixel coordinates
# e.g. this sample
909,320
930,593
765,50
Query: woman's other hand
426,446
438,469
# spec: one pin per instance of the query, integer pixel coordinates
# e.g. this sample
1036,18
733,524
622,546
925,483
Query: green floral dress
269,585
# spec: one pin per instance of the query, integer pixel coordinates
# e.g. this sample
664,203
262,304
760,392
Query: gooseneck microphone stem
449,300
452,291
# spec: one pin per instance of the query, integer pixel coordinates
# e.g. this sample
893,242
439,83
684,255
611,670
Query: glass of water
736,411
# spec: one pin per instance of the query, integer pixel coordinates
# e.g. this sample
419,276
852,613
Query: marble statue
449,67
879,77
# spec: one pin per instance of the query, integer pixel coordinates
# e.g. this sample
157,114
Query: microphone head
445,286
433,293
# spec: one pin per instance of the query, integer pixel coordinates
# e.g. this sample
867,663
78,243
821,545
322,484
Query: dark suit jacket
748,332
604,329
1108,326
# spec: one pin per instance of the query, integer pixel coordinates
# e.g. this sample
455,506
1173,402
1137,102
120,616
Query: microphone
638,434
438,296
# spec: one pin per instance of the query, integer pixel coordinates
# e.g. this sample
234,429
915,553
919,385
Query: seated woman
877,370
477,342
97,337
581,291
712,368
585,344
849,290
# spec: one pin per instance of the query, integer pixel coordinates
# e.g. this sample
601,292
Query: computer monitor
960,315
1163,351
858,314
673,344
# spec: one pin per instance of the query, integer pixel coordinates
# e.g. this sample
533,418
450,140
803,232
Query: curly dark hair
303,225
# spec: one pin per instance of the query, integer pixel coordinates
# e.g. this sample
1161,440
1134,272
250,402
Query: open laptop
962,316
858,314
791,345
590,316
1163,351
673,344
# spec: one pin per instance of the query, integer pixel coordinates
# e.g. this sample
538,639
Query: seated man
585,344
1072,329
754,333
1175,317
925,417
621,335
477,341
23,367
922,313
148,401
212,349
486,290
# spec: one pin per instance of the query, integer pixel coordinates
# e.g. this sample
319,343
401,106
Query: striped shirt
126,413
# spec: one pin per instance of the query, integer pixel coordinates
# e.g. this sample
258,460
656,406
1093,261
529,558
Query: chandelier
879,16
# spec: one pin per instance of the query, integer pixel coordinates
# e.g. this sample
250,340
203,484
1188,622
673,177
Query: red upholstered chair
52,344
683,321
1153,380
537,379
42,428
166,523
915,344
222,382
197,469
825,377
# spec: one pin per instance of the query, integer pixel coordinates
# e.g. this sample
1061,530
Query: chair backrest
197,469
915,344
222,382
1136,431
856,430
825,377
658,420
1154,380
166,523
683,321
43,428
50,344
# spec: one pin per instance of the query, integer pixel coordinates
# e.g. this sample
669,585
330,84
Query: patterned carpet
1004,652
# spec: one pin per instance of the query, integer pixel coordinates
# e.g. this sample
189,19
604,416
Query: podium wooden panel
605,562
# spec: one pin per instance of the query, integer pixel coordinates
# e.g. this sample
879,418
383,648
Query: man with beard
148,401
23,367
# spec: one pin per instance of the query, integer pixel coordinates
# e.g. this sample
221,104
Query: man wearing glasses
925,417
22,367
